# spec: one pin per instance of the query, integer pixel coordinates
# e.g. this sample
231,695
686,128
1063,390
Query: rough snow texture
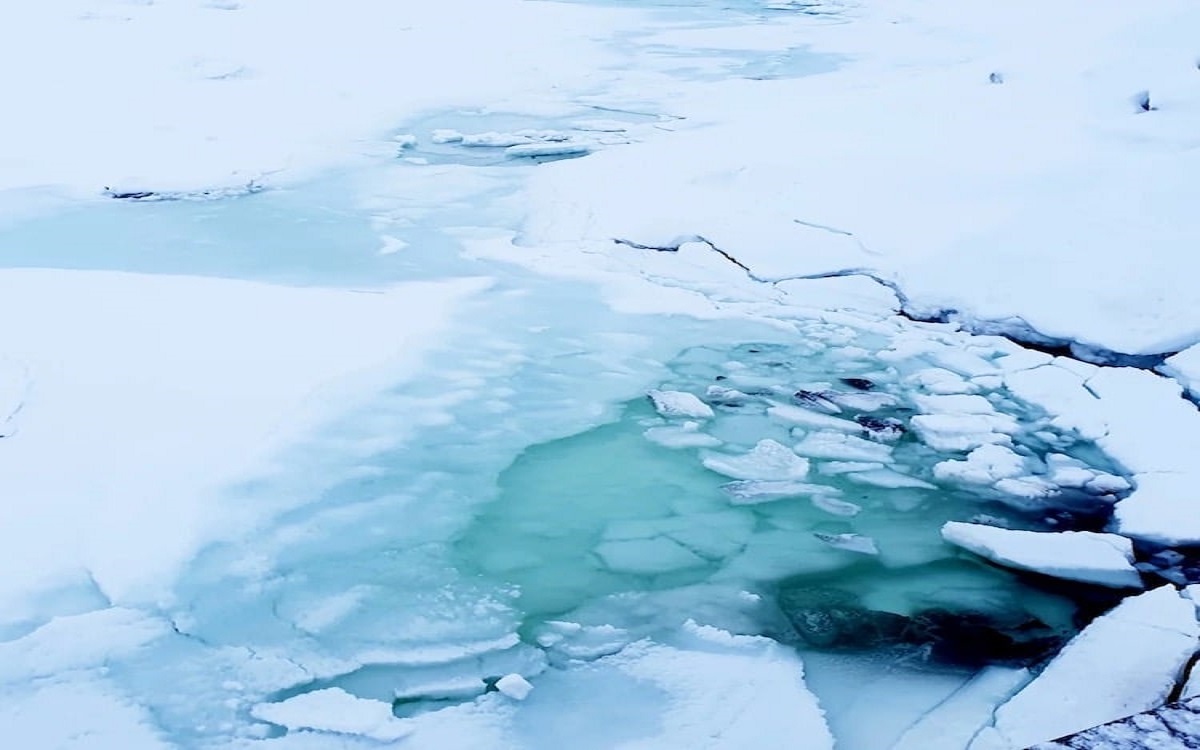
679,404
1124,662
336,711
1172,727
1105,559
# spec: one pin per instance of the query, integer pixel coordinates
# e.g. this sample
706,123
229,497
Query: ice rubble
1126,661
334,710
1105,559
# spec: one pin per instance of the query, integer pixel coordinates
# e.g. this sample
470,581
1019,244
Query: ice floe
1126,661
1105,559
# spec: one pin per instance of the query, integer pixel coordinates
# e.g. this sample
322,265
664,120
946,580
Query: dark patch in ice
996,77
153,196
834,619
861,384
1142,101
885,429
816,400
1177,565
1175,725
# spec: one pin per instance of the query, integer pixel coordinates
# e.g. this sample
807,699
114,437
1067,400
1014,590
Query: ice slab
679,404
843,447
1126,661
1104,559
336,711
768,460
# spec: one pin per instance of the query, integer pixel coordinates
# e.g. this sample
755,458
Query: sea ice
843,447
514,686
1125,661
753,491
1105,559
768,460
334,710
985,465
679,404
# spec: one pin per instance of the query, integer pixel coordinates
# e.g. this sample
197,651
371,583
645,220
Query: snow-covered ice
1126,661
1105,559
305,312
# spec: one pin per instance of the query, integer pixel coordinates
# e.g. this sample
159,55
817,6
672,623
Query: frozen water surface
577,524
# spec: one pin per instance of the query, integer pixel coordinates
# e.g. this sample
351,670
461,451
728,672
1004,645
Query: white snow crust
1105,559
1126,661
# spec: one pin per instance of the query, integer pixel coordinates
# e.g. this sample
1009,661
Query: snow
146,388
970,161
768,460
1185,368
1098,677
336,711
679,404
514,686
1104,559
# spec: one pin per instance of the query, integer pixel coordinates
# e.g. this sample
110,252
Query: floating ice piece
1028,487
861,401
954,404
679,404
727,396
1107,484
833,468
767,460
1104,559
686,435
863,545
889,479
883,430
514,686
534,150
963,432
1125,662
753,491
940,381
494,140
601,126
335,710
986,464
817,400
834,506
809,418
405,140
1068,472
647,556
836,445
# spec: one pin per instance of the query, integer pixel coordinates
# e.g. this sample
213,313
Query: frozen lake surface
565,411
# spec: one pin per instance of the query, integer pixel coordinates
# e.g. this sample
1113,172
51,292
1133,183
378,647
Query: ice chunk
963,432
767,460
1104,559
727,396
889,479
954,404
850,542
335,710
1125,662
1068,472
861,401
833,468
837,445
686,435
808,418
986,464
834,506
753,491
817,400
1028,487
514,686
647,556
884,430
679,404
940,381
494,140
